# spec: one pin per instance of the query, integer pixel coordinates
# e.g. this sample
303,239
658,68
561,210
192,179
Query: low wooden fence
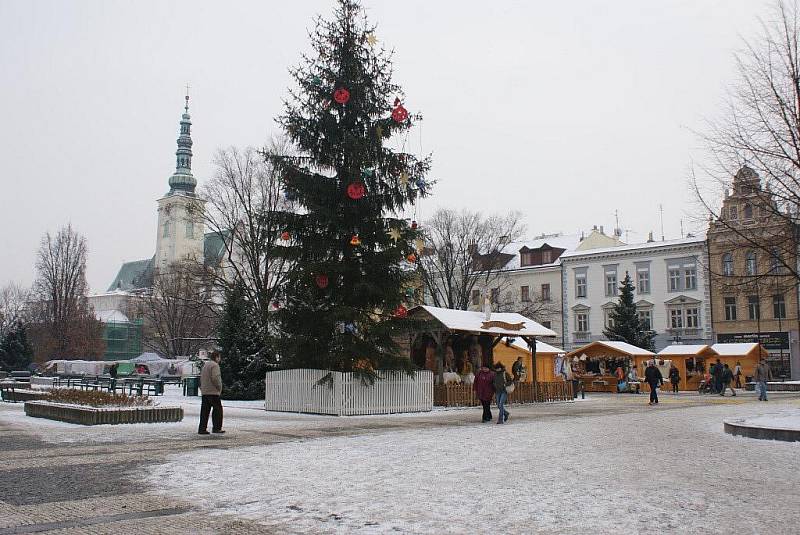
346,395
102,415
454,395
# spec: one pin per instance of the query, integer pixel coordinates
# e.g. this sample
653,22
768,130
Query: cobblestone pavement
60,478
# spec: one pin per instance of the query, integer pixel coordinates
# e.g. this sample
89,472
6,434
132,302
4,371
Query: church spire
183,181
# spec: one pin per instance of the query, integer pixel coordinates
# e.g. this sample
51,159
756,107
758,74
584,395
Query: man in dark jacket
727,379
653,377
484,390
716,373
501,394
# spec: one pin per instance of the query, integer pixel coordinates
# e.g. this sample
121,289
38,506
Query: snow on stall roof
624,347
727,350
700,238
541,347
680,349
471,321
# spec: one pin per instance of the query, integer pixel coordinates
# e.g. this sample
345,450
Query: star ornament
394,234
371,39
404,178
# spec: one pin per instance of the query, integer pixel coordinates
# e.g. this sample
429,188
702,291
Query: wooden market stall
597,361
511,348
454,343
692,361
746,354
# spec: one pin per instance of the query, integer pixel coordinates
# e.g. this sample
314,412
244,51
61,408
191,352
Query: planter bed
80,414
22,394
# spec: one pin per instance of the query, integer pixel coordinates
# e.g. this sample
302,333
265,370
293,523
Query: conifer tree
16,352
625,323
354,250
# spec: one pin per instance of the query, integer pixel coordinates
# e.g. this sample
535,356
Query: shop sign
770,340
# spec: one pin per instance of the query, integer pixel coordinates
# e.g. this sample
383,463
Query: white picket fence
392,392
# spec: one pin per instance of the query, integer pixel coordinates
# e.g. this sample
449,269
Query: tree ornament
421,185
355,240
356,190
419,245
396,101
379,131
400,311
276,305
341,95
394,234
371,39
411,258
400,114
367,173
322,280
413,225
285,236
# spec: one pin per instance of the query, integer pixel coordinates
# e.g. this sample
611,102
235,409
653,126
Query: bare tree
465,251
64,323
540,310
179,312
760,129
14,301
244,197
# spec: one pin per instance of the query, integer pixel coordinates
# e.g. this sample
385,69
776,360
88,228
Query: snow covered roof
568,242
623,347
111,316
732,350
679,349
699,239
541,347
474,321
147,357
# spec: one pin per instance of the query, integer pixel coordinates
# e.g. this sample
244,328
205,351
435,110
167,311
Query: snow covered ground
784,419
670,469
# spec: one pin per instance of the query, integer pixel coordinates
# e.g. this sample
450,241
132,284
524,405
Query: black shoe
507,416
203,432
218,431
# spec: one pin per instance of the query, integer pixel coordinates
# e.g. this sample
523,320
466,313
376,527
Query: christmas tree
625,325
354,253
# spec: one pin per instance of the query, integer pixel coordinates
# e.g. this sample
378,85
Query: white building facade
671,290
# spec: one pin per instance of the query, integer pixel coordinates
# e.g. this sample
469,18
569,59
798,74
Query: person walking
674,378
737,374
653,377
114,373
716,372
484,390
727,379
500,383
763,374
211,389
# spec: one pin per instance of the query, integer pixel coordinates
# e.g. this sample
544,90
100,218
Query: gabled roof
690,349
735,350
695,240
541,347
568,243
622,347
133,276
473,321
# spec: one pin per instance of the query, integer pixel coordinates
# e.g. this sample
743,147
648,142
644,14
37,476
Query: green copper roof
133,276
182,180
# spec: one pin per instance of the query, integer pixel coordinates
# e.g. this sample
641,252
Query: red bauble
356,190
413,225
285,236
411,258
400,114
401,311
341,95
321,280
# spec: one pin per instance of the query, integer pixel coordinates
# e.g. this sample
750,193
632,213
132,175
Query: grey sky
563,110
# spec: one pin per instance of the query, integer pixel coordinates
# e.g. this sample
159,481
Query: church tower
180,212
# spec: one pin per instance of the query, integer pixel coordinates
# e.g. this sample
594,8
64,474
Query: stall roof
733,350
622,347
679,349
541,347
473,321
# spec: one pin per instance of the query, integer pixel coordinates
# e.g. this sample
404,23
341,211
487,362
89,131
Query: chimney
601,229
583,236
650,237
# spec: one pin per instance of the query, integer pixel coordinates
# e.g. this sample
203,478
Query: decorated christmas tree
353,251
625,325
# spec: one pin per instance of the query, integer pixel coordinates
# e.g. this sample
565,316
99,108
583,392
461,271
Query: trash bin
191,385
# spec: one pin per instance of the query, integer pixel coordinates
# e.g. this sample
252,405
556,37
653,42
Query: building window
692,318
730,308
727,264
524,294
189,229
748,211
646,319
690,277
611,283
733,213
643,281
494,296
165,233
526,259
676,318
545,292
582,322
753,307
674,279
476,297
609,320
547,257
546,324
778,307
750,263
580,285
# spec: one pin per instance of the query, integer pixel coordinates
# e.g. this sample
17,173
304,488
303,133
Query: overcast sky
566,111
